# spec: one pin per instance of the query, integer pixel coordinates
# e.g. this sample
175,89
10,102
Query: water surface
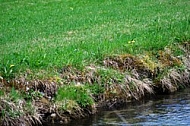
161,110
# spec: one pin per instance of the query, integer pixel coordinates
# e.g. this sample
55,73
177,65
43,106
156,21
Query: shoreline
78,93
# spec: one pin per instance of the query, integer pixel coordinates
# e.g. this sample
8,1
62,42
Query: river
171,109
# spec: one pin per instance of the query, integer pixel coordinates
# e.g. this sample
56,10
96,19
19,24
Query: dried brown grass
138,88
13,114
45,87
174,80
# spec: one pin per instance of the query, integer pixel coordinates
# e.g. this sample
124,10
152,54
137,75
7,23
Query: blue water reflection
161,110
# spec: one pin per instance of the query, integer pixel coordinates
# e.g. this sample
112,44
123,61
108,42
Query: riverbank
154,110
78,93
61,60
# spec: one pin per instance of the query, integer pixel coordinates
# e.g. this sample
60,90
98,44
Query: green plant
12,104
29,108
8,71
80,94
95,88
110,76
14,94
31,95
1,92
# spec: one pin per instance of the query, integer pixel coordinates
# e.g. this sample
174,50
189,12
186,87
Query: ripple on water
165,110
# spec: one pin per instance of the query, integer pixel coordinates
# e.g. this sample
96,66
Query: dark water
161,110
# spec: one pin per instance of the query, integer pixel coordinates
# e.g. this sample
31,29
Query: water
161,110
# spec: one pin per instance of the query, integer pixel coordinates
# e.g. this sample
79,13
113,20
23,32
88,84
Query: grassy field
49,34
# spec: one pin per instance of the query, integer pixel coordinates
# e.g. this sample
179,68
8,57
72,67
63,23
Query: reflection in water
161,110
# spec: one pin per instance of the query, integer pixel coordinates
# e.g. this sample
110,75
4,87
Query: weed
80,94
95,89
31,95
110,76
1,92
15,110
14,94
8,71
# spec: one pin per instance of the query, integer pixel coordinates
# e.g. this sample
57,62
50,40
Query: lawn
49,34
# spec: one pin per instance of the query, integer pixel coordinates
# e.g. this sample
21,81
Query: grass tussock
138,88
174,80
16,111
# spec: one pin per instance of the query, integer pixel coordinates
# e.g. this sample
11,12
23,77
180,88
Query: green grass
80,94
49,34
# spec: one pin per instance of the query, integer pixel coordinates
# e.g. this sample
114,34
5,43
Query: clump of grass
16,111
173,80
78,93
138,88
7,71
163,69
73,100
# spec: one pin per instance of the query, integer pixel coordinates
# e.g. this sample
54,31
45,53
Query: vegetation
47,35
60,59
80,94
13,106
